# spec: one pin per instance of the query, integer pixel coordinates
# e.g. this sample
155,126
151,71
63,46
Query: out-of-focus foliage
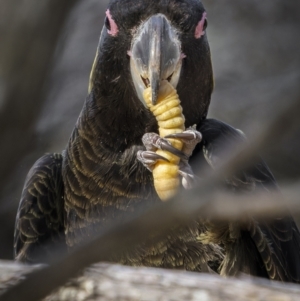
256,57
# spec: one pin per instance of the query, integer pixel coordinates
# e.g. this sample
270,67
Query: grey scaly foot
149,159
153,142
190,138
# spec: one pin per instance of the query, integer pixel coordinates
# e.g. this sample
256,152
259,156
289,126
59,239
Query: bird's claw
153,141
188,136
188,177
167,146
149,158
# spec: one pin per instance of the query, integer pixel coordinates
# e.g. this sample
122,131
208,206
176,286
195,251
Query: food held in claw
168,113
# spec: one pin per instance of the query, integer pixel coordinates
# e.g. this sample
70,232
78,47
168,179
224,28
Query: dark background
45,65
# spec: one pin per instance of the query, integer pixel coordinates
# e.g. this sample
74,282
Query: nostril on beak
145,81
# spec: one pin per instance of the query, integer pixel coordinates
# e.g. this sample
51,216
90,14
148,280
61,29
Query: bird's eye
107,23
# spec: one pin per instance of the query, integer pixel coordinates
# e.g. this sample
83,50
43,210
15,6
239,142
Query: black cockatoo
105,172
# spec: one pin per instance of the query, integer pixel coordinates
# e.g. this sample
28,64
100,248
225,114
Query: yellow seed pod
168,113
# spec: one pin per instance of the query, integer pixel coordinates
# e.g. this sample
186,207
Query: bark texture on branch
114,282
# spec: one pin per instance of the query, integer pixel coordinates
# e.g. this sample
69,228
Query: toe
165,145
189,136
149,157
187,179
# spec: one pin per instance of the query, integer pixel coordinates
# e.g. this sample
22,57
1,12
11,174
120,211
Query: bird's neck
115,117
112,109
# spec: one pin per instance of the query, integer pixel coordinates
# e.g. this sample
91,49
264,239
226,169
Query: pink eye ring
110,24
201,26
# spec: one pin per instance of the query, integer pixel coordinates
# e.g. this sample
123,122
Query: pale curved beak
155,55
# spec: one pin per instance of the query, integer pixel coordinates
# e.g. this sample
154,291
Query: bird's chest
180,249
98,194
101,189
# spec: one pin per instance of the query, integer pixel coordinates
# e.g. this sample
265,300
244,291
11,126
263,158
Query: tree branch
114,282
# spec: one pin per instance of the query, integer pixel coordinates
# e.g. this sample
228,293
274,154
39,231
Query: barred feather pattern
105,182
39,219
267,249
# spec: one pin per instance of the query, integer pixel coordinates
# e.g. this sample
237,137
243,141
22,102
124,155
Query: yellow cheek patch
168,113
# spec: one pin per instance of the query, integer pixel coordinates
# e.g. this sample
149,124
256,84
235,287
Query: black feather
40,215
266,249
98,179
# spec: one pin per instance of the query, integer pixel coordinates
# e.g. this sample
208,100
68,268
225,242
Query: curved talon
187,136
187,179
153,141
167,146
190,138
144,156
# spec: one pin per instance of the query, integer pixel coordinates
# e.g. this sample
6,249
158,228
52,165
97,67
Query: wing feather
269,248
39,220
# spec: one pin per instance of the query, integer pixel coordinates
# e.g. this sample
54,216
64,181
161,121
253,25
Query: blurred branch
29,31
114,282
156,222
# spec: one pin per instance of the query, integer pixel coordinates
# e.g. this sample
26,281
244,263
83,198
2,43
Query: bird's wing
268,249
39,220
